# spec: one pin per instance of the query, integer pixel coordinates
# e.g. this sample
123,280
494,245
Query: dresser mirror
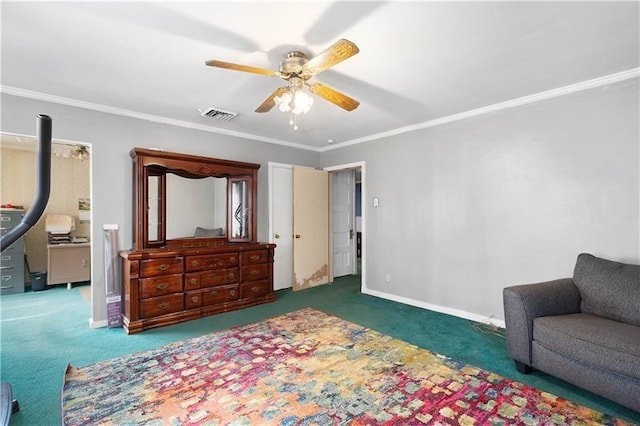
209,219
183,200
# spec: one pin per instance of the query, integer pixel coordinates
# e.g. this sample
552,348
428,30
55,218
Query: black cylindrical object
43,184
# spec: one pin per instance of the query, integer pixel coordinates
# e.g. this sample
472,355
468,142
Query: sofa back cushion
608,289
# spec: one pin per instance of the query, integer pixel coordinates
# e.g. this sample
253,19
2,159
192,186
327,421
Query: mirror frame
149,162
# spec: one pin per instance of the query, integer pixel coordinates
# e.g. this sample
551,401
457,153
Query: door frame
352,219
363,197
92,240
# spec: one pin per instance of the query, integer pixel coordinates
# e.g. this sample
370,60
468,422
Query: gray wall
111,138
510,197
466,208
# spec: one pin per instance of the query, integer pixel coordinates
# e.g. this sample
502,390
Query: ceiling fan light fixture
284,101
80,153
294,101
302,102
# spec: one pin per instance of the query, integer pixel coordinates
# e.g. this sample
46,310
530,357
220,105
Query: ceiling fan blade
245,68
333,96
270,102
338,52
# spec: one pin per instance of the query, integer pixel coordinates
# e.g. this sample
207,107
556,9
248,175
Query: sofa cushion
597,341
608,289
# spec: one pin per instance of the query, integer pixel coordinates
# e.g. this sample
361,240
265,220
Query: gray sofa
584,330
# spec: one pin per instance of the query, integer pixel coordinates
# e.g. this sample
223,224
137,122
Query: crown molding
537,97
16,91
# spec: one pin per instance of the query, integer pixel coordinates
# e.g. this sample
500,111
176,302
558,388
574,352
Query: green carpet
43,331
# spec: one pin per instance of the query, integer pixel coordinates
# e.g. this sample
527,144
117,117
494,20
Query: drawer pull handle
232,260
193,281
214,293
163,305
255,272
163,267
162,286
231,275
212,275
232,292
256,257
195,263
255,289
195,299
6,267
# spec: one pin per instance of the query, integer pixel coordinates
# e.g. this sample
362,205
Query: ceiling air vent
219,114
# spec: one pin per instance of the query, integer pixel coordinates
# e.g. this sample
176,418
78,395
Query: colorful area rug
304,368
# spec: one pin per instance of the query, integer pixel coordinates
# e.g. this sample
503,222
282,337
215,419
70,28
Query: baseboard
97,324
435,308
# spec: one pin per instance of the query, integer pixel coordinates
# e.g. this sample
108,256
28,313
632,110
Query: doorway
281,222
69,252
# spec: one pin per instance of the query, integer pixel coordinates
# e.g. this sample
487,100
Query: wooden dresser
171,280
168,286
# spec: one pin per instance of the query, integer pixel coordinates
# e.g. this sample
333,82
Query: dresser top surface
191,251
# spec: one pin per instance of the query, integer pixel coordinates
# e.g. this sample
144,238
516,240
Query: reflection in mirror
240,210
196,205
153,210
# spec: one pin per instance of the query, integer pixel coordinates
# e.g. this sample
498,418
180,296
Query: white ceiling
418,61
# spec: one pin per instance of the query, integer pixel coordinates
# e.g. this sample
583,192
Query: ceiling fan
296,69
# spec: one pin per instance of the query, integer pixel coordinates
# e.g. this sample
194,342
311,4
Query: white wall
111,138
470,207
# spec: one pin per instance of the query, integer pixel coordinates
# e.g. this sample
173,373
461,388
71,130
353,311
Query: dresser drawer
254,289
212,261
157,286
193,299
154,267
255,272
219,277
257,256
217,295
192,281
161,305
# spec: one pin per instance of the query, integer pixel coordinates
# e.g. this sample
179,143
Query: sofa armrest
524,303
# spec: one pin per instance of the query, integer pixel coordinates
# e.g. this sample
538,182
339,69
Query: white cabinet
69,263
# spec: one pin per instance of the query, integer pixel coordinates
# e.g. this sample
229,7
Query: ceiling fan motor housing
291,65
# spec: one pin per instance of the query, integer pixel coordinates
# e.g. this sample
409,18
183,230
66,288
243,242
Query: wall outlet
387,278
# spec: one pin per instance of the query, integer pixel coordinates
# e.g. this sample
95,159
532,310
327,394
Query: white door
280,188
344,243
310,228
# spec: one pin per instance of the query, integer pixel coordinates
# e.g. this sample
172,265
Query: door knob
277,236
297,235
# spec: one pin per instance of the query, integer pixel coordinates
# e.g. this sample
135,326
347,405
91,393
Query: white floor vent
219,114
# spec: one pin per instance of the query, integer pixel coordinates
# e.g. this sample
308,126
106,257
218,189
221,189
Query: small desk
68,263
